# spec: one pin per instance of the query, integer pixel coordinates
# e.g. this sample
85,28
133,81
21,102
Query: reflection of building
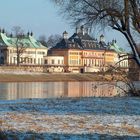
31,52
55,89
83,53
23,90
12,91
88,89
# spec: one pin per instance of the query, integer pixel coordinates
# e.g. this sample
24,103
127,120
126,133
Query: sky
42,18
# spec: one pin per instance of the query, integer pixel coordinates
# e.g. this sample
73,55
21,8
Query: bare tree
119,75
53,40
42,39
120,15
20,46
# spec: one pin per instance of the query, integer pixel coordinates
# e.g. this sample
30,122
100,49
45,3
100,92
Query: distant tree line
51,41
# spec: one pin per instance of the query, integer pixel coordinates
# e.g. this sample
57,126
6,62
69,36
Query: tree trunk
18,60
133,47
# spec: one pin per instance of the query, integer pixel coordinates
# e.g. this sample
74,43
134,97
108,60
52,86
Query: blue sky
41,17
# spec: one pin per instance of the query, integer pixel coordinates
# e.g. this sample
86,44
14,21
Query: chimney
82,30
3,31
114,41
31,34
87,31
65,35
102,38
76,30
28,33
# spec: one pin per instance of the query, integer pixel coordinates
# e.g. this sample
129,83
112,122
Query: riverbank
49,77
71,118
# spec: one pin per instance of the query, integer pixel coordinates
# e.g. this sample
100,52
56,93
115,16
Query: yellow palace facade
82,53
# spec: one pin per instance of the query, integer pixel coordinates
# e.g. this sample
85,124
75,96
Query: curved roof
115,47
6,40
27,41
35,43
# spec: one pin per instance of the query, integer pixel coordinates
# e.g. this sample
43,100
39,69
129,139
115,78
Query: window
31,61
95,62
58,61
79,61
41,52
41,60
14,60
34,61
38,60
52,61
46,61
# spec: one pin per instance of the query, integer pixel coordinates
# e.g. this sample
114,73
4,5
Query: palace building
27,48
82,53
78,53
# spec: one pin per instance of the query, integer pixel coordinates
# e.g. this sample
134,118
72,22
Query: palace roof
79,41
116,48
86,42
67,44
26,41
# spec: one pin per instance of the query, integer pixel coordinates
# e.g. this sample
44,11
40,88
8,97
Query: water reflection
12,91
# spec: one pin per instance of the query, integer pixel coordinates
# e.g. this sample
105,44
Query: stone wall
15,69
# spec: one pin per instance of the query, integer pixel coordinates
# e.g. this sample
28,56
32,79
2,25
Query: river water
23,90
